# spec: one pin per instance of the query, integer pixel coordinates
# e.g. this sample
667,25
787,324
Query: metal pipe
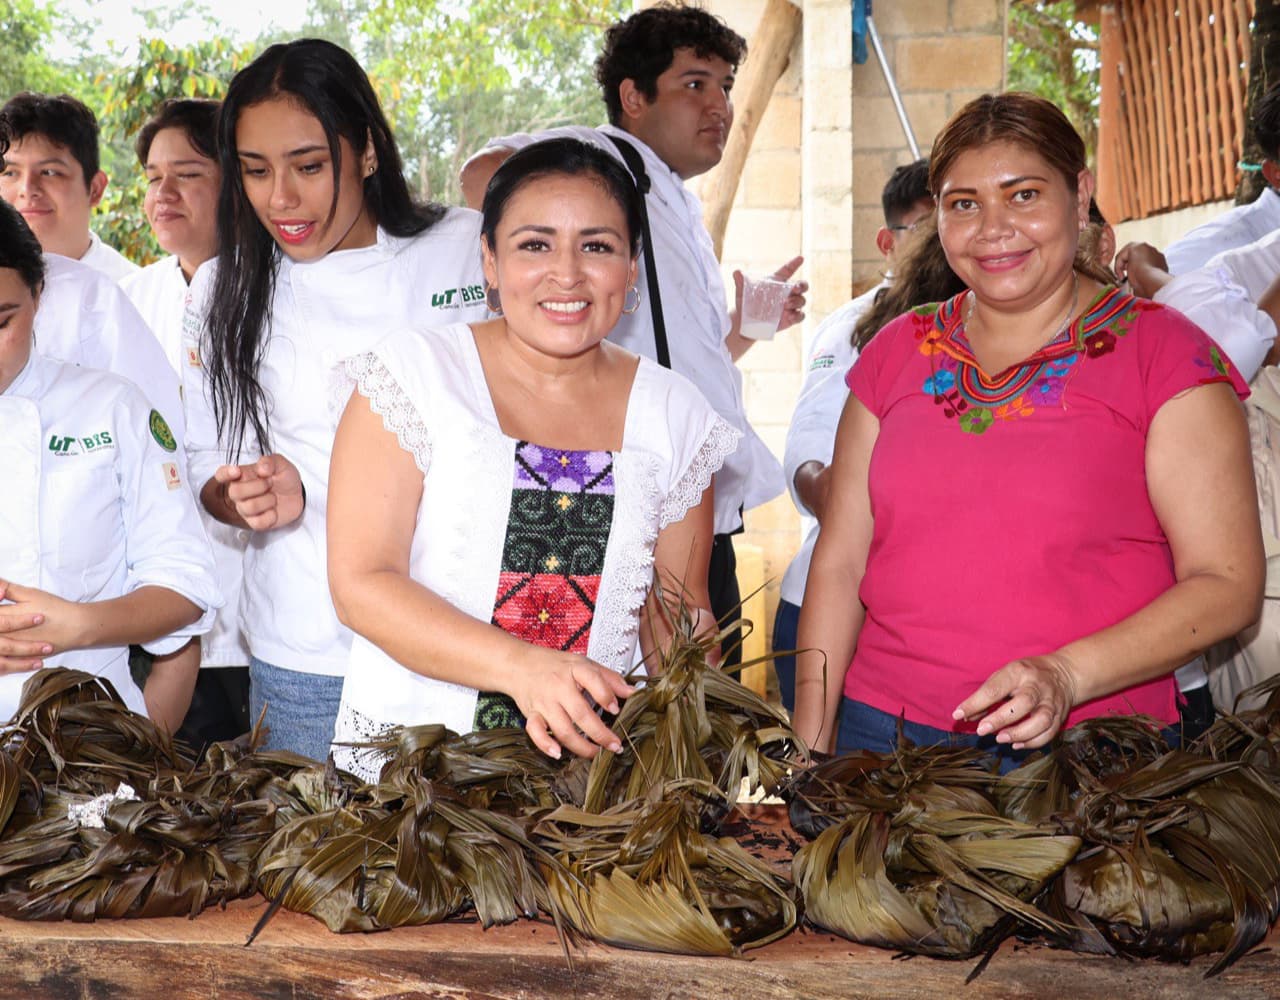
893,89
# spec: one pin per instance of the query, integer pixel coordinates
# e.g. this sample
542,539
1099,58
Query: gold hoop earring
634,289
492,300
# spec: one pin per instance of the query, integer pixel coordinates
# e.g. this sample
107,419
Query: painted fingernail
46,649
615,747
984,728
38,620
613,708
1003,738
554,752
957,715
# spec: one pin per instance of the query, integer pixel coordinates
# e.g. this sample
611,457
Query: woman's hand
552,693
1034,696
265,494
34,625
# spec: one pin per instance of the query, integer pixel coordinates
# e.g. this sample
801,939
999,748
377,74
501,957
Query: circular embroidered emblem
160,431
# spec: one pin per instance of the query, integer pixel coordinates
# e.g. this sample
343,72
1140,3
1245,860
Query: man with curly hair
666,74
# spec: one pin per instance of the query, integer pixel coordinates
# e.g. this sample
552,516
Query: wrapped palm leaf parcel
103,817
643,875
689,720
366,858
1181,852
910,852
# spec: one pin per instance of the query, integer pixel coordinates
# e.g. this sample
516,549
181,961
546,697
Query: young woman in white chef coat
100,538
321,252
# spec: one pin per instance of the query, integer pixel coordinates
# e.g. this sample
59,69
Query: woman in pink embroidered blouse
1042,495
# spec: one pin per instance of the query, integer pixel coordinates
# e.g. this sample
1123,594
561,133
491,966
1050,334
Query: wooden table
297,958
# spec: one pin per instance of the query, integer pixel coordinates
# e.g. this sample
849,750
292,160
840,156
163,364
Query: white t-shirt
108,260
95,505
429,386
322,312
695,308
1236,227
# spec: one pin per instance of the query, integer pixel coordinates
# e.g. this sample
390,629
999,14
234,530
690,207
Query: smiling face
561,263
288,177
17,317
687,122
182,198
1009,224
43,181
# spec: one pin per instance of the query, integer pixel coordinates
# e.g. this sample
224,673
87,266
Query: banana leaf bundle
400,855
1181,852
911,853
101,815
689,720
643,875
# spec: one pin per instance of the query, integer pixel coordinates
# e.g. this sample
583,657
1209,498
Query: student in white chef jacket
177,150
100,539
319,257
85,319
52,176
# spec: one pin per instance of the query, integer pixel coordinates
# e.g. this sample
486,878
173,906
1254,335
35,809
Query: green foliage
451,74
1054,55
126,98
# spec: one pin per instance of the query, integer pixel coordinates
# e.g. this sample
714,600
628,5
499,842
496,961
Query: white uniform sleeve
700,440
812,434
165,542
1210,299
115,338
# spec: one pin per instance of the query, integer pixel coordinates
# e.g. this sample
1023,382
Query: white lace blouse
430,390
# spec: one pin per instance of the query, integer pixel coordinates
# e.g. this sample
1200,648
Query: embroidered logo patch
822,361
455,298
193,356
160,431
171,478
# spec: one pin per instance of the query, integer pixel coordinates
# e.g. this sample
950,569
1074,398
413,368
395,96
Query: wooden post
1112,197
768,53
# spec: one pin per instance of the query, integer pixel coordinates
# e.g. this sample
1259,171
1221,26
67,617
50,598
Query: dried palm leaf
689,720
910,852
643,875
419,858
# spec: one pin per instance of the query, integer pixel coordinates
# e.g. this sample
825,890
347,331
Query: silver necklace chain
1066,320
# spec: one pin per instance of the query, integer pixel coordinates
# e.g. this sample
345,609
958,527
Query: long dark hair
327,81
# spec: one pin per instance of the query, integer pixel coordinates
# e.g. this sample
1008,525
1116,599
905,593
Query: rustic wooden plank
1139,118
1187,84
1112,196
1161,66
1222,115
1195,27
1236,77
296,958
1209,40
1179,119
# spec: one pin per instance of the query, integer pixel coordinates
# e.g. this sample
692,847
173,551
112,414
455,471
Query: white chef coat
695,308
1221,298
1236,227
85,319
812,434
322,312
107,259
96,505
159,292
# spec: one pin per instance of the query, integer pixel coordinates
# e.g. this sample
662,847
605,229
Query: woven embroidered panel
552,558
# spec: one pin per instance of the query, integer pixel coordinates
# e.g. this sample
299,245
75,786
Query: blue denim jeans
301,708
865,728
786,626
